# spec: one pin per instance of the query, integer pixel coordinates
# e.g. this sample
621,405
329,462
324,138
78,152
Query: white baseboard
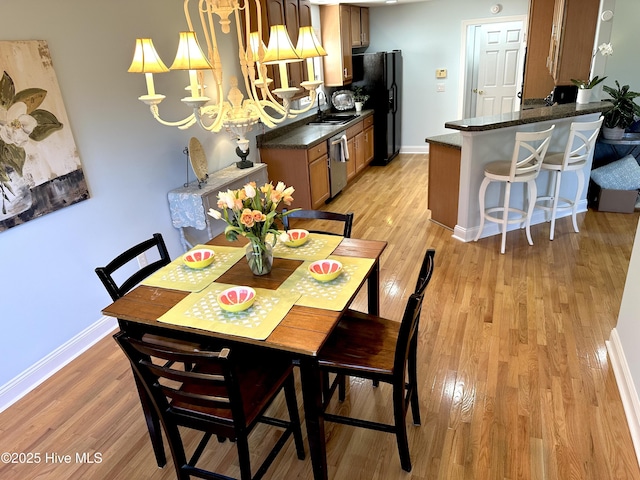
626,387
415,149
33,376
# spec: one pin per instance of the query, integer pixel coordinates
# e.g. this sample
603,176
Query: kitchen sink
332,119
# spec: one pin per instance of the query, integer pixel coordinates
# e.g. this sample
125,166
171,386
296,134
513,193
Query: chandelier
262,100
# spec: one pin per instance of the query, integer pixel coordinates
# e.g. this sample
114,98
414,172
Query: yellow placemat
178,276
201,310
316,248
332,295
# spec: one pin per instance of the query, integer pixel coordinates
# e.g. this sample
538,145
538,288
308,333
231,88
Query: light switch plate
440,87
441,73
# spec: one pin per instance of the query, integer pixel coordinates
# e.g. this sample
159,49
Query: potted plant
621,116
359,97
585,87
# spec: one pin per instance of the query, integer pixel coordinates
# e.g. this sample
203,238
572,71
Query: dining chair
577,153
524,167
118,281
225,395
345,218
383,350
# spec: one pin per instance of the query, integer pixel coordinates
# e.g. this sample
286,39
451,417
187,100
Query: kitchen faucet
321,94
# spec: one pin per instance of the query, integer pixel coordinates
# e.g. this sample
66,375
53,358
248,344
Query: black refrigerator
380,74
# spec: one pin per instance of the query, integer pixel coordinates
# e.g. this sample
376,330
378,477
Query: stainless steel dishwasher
338,158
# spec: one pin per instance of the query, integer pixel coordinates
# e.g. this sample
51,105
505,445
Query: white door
500,63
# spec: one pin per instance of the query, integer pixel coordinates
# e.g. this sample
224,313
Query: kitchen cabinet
356,151
359,27
367,124
304,7
319,179
559,44
571,45
444,183
360,144
299,157
537,80
306,170
293,14
336,40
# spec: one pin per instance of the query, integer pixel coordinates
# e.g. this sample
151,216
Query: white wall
626,336
49,292
429,35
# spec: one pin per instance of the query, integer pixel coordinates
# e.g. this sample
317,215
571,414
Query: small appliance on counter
562,94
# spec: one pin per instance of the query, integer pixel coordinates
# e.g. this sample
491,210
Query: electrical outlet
142,260
440,87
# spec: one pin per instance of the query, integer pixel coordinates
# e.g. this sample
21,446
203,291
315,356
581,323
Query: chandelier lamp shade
252,96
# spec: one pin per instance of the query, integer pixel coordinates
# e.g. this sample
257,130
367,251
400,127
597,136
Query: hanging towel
344,149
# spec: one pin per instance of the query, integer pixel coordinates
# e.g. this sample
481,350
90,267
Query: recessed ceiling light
391,1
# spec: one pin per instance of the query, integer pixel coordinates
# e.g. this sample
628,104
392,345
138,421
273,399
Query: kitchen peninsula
457,160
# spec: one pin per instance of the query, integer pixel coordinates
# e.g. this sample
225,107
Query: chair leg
153,423
244,458
557,177
400,427
533,193
325,387
574,209
481,199
505,215
294,417
342,387
413,380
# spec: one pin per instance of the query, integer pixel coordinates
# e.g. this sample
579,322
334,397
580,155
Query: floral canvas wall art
40,169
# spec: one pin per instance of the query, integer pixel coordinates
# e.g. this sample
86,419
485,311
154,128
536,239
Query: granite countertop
532,115
448,140
301,135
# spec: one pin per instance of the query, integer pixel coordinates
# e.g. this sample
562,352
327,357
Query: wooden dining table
301,333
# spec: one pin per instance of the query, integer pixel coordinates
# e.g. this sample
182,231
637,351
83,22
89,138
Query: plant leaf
12,156
31,97
47,124
7,90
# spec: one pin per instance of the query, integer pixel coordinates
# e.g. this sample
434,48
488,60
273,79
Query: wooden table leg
373,287
311,396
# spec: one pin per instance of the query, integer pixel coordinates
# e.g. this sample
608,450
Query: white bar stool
578,152
524,166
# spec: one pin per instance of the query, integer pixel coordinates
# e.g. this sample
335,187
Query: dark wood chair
105,274
345,218
382,350
117,288
222,395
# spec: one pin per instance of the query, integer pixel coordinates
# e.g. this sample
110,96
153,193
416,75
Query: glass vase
259,257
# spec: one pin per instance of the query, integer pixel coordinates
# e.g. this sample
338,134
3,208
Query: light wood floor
515,378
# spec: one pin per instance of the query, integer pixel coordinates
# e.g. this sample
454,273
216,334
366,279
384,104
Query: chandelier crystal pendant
262,100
